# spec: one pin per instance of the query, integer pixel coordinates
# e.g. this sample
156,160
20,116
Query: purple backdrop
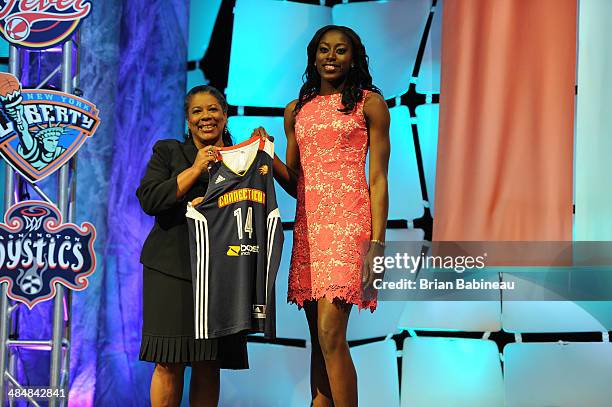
134,55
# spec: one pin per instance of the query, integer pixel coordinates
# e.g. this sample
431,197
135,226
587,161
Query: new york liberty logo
37,250
40,24
41,129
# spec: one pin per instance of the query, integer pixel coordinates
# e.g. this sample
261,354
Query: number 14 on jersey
248,224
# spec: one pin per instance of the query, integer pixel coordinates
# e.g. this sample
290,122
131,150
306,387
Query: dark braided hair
225,134
358,78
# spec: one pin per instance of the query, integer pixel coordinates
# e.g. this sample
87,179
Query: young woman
338,114
176,174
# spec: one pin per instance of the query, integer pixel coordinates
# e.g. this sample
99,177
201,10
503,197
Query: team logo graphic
40,24
37,250
41,129
263,170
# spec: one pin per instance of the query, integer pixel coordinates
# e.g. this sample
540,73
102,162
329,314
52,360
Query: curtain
504,167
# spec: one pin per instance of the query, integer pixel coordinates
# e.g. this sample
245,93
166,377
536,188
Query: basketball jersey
236,238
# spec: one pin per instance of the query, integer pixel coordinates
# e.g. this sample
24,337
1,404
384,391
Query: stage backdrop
133,67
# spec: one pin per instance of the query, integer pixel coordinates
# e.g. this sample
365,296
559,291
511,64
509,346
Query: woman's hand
261,132
369,274
206,156
197,201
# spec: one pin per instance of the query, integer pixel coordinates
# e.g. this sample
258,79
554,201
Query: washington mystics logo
37,251
41,129
40,24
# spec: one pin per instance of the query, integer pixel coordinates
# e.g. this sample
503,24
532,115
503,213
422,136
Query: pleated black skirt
168,334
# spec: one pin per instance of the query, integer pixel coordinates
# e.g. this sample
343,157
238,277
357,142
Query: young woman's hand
261,132
368,274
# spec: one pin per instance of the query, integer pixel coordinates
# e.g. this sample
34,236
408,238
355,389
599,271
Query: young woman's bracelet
378,242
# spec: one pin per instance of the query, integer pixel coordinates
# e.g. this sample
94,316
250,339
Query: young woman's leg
331,326
204,387
319,383
167,385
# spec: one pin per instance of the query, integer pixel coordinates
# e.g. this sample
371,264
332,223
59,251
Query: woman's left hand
369,273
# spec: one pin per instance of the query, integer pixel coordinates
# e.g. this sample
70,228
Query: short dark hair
225,134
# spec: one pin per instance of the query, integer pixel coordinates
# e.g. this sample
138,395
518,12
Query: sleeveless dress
333,218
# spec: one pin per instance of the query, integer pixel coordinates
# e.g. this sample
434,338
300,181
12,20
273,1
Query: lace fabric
333,216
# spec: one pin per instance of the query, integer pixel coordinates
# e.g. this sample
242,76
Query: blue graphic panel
278,377
290,322
382,322
593,167
241,128
202,17
558,374
469,371
4,48
427,126
267,59
428,80
195,78
471,316
555,316
391,32
405,198
376,365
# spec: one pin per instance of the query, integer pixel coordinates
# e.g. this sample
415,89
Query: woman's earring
225,131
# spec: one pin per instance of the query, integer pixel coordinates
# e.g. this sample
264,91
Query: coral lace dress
333,203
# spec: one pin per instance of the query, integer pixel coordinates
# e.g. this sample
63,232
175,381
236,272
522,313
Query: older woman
177,173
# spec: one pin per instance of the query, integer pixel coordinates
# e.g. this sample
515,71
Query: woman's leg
167,385
204,388
331,324
319,383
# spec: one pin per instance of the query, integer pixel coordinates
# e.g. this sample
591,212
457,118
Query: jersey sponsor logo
242,194
233,251
219,179
38,24
37,250
263,170
242,250
40,130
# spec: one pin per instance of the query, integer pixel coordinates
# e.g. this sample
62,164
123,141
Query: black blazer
167,246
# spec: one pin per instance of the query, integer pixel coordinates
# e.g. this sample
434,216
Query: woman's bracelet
378,242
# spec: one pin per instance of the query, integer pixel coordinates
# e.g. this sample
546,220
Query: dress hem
371,305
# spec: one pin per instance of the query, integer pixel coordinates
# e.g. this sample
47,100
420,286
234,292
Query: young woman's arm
377,116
